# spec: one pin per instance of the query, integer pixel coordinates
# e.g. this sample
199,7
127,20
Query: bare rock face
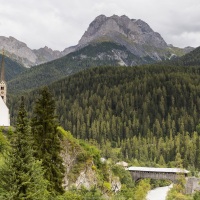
125,31
21,53
86,177
188,49
46,54
17,50
134,34
68,50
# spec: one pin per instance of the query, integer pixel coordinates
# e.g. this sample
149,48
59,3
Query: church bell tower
3,86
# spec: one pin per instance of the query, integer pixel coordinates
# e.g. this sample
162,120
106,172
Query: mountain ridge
133,29
93,55
21,53
136,35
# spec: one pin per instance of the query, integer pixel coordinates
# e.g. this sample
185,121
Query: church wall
4,114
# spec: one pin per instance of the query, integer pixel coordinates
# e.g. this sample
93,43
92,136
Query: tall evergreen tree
47,142
22,175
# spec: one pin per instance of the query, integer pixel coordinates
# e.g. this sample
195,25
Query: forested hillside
41,161
116,104
12,68
190,59
93,55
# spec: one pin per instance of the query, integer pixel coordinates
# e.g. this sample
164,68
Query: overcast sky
61,23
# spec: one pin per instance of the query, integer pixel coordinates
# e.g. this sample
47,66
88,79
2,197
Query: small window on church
2,97
2,88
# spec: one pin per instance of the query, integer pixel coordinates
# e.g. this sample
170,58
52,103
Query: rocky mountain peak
135,35
119,28
144,27
17,50
47,48
100,18
46,54
21,53
11,42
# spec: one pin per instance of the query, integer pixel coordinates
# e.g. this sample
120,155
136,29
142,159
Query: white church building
4,111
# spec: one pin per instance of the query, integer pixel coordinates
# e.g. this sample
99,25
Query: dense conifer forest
190,59
32,163
152,107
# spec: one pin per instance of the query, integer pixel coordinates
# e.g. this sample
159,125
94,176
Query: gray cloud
61,23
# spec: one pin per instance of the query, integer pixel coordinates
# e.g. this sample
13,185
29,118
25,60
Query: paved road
158,193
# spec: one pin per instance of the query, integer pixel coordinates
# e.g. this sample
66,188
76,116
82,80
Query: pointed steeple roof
2,78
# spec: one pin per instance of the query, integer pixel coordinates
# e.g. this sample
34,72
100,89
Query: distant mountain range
48,73
21,53
136,37
108,41
119,104
190,59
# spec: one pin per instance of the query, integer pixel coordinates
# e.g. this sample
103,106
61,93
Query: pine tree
47,142
3,142
22,175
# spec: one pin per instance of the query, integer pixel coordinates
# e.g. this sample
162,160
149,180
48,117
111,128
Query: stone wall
192,185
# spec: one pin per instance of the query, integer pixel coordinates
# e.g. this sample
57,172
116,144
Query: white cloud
61,23
191,38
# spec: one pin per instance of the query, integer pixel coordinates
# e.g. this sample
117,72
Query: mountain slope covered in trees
93,55
101,54
119,107
190,59
147,116
12,68
83,176
133,100
133,108
118,103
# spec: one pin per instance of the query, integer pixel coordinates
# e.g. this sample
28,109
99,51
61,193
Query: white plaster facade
4,114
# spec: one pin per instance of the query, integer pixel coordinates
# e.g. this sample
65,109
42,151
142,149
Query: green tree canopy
47,142
22,175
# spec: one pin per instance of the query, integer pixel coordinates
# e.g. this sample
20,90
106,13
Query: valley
121,94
